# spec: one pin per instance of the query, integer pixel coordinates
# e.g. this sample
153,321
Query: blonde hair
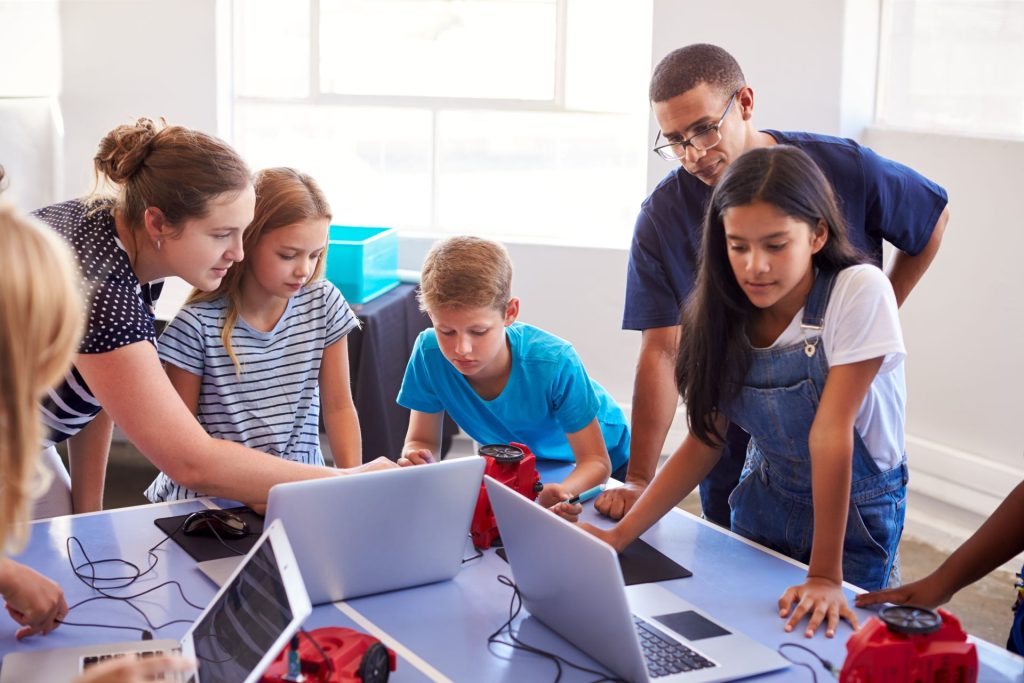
175,169
41,319
284,197
466,272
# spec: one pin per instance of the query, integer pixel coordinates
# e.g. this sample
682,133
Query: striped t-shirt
274,405
119,307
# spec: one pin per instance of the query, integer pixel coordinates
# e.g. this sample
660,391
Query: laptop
236,637
372,532
571,581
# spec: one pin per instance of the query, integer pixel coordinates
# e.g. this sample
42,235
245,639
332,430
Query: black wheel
376,665
503,453
910,620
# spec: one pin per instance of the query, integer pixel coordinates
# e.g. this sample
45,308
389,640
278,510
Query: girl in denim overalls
791,337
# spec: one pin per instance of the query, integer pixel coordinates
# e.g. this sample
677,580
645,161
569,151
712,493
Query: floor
983,608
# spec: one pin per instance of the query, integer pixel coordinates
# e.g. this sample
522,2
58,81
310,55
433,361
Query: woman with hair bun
183,199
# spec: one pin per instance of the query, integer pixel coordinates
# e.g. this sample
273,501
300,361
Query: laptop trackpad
691,625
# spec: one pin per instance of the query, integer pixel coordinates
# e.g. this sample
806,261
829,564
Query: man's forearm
655,399
906,270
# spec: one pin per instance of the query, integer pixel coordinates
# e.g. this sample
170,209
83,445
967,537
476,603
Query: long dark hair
714,353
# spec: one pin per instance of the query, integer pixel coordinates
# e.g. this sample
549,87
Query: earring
158,243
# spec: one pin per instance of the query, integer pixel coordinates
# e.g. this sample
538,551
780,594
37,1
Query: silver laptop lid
242,629
372,532
253,615
569,580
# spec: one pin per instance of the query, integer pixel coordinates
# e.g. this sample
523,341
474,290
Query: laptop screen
239,629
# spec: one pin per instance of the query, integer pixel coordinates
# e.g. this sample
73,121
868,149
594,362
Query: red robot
906,644
343,656
514,466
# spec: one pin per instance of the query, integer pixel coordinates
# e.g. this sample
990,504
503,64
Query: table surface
439,631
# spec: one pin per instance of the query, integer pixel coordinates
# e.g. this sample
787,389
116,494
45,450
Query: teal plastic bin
362,262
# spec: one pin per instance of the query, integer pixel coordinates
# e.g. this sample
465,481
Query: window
953,65
521,119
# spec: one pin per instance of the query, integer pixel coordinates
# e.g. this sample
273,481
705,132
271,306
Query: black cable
327,660
828,666
516,644
479,553
142,631
121,581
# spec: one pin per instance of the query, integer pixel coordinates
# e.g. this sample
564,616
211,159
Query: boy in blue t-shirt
503,381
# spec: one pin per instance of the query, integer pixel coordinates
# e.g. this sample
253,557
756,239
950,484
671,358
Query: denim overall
1015,643
772,504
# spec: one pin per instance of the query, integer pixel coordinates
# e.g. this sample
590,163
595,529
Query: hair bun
123,150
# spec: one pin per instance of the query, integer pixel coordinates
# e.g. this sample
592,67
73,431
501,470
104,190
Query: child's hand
607,535
131,669
552,494
928,592
823,600
416,456
616,502
33,600
553,497
567,511
374,465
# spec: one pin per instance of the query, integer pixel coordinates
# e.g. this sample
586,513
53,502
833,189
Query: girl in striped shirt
259,356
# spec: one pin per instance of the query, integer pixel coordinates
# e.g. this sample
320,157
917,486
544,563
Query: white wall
122,60
30,122
964,327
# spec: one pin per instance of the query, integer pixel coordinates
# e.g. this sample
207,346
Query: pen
586,495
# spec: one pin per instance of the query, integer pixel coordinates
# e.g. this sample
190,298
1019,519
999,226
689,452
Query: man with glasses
704,109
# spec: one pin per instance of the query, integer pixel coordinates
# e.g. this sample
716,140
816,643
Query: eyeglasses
701,141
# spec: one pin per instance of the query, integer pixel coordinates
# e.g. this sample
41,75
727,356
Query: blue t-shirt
548,395
880,199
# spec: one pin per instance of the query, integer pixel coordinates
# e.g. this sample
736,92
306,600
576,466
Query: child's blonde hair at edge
41,319
466,272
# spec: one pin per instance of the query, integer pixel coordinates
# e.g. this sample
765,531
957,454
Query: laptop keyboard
92,660
665,656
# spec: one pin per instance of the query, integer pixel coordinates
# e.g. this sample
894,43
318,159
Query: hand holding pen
571,507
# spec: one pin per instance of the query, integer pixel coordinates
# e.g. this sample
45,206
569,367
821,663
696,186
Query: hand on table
416,456
136,670
823,600
32,600
607,535
616,502
928,592
375,465
553,497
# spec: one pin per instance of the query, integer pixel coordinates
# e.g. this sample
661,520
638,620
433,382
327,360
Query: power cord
514,608
477,556
328,663
828,666
101,584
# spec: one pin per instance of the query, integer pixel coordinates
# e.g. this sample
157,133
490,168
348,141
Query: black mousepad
203,547
641,563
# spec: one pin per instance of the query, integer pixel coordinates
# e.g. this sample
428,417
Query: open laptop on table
571,581
372,532
243,628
